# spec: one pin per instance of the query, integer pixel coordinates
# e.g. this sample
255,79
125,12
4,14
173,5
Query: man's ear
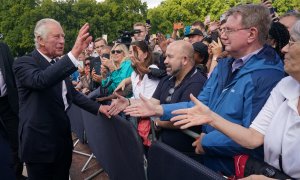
253,34
41,41
185,60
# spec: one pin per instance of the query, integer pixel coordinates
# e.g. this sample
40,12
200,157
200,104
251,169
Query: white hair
295,32
42,30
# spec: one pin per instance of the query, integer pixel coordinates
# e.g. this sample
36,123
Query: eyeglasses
227,30
169,98
116,51
291,42
87,64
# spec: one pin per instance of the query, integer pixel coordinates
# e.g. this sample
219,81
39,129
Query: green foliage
18,17
188,11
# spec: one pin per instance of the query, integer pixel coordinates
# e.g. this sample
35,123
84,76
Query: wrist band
129,101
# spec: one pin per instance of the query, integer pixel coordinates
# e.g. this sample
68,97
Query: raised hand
118,105
121,86
144,108
216,47
197,115
96,77
82,41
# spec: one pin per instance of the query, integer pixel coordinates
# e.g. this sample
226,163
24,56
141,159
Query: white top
279,121
2,85
145,86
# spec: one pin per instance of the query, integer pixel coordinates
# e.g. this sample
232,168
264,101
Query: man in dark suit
45,94
9,107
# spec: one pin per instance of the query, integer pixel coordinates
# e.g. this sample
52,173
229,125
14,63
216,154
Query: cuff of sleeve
73,59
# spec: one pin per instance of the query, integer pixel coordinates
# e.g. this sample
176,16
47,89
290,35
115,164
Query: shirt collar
248,56
46,57
237,63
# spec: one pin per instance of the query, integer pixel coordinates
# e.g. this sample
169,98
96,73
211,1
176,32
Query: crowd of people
235,82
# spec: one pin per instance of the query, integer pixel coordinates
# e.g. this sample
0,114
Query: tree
188,11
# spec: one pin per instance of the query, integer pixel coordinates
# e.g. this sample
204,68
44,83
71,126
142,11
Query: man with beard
183,79
237,88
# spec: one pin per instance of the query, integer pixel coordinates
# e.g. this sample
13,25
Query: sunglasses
116,51
87,64
169,98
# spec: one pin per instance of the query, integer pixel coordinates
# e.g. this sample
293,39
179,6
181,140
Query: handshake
118,105
142,107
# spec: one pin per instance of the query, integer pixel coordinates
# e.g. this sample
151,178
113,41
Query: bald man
183,79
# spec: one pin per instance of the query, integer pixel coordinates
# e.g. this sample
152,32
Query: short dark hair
281,35
199,23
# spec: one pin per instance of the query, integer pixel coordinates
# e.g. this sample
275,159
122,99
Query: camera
125,37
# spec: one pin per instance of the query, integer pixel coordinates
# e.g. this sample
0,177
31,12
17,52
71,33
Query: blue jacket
239,100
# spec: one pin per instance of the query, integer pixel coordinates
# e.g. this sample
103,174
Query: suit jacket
44,125
6,62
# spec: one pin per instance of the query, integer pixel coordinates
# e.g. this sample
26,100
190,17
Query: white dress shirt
146,86
64,87
2,85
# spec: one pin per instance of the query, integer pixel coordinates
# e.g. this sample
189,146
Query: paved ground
78,162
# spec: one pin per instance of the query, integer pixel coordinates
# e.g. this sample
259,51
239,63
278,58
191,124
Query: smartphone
187,30
105,55
214,36
96,65
178,25
148,21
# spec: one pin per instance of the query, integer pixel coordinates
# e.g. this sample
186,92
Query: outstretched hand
104,110
144,108
82,41
118,105
197,115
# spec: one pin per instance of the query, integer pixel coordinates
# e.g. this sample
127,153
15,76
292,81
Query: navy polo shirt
193,83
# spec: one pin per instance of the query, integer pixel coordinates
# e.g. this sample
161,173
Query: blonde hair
125,50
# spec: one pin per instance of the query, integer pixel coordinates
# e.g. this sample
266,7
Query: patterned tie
52,61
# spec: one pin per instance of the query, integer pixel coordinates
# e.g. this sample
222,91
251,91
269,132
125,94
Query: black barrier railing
166,163
119,150
116,146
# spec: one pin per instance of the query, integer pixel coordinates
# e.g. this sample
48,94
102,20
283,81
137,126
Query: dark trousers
6,164
10,121
58,170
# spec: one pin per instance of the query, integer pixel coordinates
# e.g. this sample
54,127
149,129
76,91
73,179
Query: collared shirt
241,61
64,87
2,85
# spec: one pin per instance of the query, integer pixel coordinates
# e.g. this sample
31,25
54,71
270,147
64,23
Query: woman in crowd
277,126
278,37
84,78
118,67
113,71
141,61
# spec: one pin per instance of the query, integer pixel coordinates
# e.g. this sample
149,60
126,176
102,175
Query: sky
151,3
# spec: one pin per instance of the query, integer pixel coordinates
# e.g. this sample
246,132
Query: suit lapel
2,63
